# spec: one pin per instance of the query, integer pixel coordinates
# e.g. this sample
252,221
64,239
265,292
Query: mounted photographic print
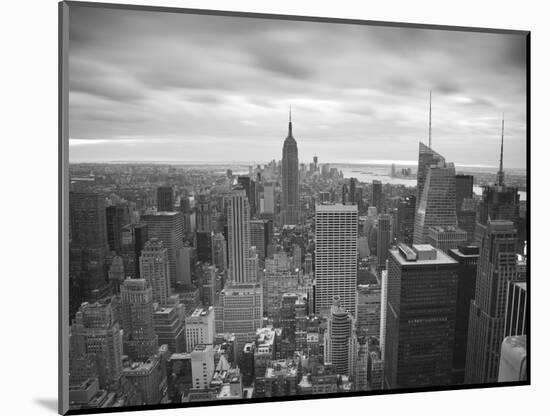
263,207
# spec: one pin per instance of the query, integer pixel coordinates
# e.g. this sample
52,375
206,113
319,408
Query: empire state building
290,213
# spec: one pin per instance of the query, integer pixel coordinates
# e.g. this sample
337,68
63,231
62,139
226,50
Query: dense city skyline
297,276
190,81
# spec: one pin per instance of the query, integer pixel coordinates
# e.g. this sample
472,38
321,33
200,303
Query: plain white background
28,232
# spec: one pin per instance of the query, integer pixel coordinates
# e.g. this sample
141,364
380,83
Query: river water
382,173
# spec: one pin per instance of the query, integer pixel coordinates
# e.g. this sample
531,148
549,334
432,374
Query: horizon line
375,162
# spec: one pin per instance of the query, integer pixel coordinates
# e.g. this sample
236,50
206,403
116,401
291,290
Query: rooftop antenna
430,125
501,170
290,120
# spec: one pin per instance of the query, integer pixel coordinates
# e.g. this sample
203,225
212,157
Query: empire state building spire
290,120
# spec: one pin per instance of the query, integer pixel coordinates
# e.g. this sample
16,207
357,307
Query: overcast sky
153,86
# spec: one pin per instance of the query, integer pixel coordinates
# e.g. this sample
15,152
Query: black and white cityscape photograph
263,208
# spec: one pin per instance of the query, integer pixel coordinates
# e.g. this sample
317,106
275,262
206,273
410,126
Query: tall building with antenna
499,201
290,212
500,175
436,183
497,237
426,157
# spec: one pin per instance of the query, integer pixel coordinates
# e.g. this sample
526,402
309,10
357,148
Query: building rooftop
465,252
180,356
202,347
202,312
498,225
241,288
133,367
225,393
281,368
164,213
446,229
335,208
404,255
164,311
265,336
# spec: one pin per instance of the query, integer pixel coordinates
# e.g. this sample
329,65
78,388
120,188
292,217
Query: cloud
174,80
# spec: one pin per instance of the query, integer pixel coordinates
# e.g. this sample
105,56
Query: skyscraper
426,157
134,237
240,308
287,322
116,273
335,256
467,258
203,213
345,194
203,244
148,378
140,340
377,195
384,238
445,238
269,199
96,338
421,309
169,326
154,268
464,189
240,312
238,220
437,202
497,268
185,260
200,328
202,366
168,227
87,248
368,310
466,220
516,309
499,201
352,189
260,236
249,187
88,220
405,219
340,341
290,212
165,198
383,313
252,265
116,216
219,252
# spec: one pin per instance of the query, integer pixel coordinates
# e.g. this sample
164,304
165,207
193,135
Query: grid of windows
336,256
